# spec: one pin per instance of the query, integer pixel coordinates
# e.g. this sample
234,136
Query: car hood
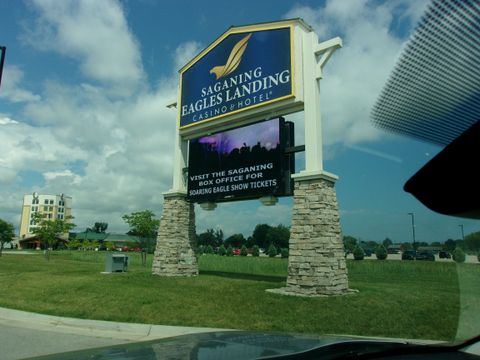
229,345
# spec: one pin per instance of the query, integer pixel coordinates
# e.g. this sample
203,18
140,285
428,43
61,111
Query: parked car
425,255
408,255
368,252
236,252
444,255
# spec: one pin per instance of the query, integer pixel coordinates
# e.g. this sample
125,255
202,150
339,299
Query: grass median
395,298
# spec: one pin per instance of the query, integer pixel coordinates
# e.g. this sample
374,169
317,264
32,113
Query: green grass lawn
395,299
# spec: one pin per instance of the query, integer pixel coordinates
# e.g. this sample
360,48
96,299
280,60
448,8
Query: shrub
222,251
381,252
458,255
272,250
74,244
209,249
229,250
201,250
358,253
284,253
255,250
243,251
478,256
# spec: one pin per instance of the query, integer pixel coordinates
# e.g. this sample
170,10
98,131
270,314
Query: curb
98,328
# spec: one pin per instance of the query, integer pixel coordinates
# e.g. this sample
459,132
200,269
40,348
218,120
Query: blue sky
83,109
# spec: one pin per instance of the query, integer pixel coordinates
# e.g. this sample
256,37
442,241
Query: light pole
413,228
3,49
463,235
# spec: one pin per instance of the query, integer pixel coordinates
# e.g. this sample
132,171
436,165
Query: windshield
123,183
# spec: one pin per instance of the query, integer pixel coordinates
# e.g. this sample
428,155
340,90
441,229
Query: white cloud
52,175
355,75
95,33
11,86
23,146
186,52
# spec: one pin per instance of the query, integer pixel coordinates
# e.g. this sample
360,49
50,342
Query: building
53,206
117,241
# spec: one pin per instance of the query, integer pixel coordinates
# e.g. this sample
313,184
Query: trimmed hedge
458,255
381,252
358,253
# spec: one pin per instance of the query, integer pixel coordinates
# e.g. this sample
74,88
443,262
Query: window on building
50,208
61,203
60,216
45,208
46,202
49,216
35,201
51,202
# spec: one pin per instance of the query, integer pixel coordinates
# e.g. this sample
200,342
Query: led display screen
243,163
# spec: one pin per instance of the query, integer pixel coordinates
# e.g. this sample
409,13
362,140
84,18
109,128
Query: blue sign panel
244,70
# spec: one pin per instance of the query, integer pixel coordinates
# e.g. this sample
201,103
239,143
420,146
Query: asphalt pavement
24,334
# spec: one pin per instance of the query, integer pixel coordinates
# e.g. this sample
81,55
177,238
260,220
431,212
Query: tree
472,242
144,225
211,237
255,250
449,245
99,227
272,251
259,235
458,255
278,236
235,240
243,251
387,243
7,233
49,230
221,250
370,244
349,243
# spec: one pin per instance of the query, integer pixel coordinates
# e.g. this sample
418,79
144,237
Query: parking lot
471,259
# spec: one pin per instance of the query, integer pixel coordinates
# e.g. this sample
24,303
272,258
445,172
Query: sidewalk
24,334
97,328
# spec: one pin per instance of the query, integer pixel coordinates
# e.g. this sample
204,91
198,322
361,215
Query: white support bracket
315,56
323,52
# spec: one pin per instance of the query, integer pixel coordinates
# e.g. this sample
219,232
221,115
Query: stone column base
174,254
316,264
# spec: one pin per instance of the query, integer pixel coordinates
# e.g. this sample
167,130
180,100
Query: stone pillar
175,251
316,264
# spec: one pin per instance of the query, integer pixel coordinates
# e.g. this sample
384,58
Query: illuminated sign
242,163
241,71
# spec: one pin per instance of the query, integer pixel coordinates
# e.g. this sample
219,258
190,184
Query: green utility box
116,262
